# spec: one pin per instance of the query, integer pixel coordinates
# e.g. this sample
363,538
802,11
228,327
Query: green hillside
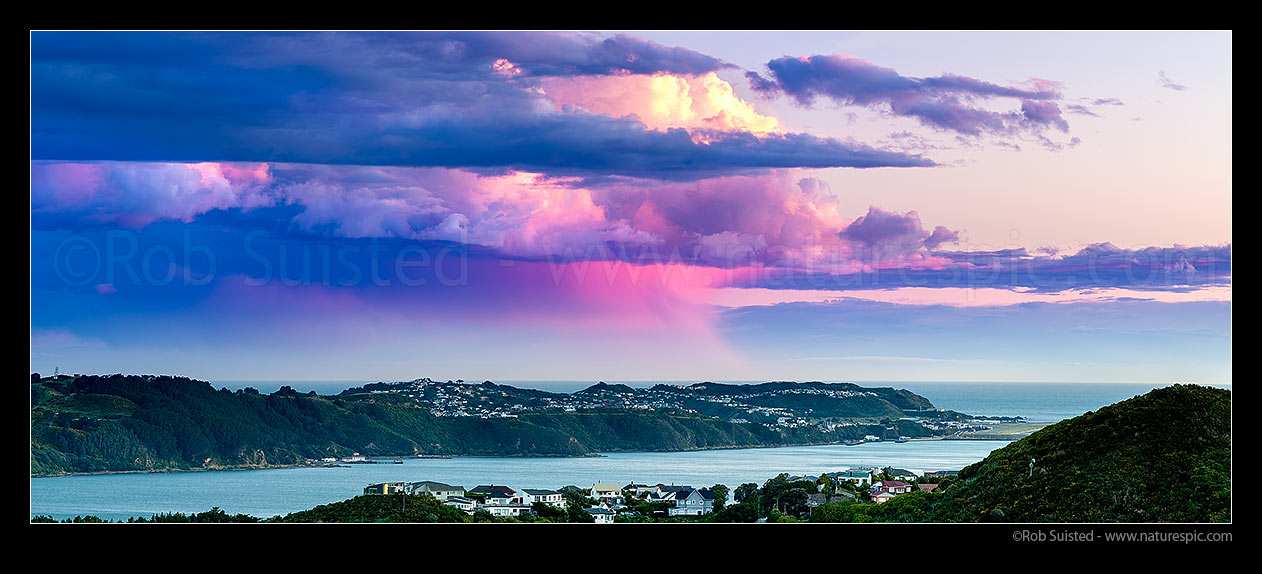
122,423
1161,457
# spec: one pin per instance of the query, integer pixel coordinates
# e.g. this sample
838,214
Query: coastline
590,455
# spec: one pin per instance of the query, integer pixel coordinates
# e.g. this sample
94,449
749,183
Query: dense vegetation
120,423
382,508
1161,457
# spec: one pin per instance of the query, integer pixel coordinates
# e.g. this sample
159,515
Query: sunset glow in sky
982,206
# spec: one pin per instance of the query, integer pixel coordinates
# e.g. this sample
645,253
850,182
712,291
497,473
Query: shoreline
592,455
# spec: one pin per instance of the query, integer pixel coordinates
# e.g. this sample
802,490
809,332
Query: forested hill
1160,457
142,423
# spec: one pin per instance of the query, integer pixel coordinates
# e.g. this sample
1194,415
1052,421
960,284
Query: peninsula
147,423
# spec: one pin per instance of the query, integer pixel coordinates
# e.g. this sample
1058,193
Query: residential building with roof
550,497
608,492
900,473
466,504
497,495
438,490
856,477
891,486
882,497
602,515
385,488
693,502
640,489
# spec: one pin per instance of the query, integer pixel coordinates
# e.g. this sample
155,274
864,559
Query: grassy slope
1161,457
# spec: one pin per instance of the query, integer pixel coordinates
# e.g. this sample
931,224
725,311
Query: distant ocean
1038,402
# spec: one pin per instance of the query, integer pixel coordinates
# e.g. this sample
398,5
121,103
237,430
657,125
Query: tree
842,512
575,513
793,501
548,512
745,512
828,485
720,496
746,492
769,496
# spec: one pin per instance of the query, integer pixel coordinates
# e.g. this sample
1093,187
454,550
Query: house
640,490
602,515
466,504
927,487
549,497
882,497
855,477
607,492
513,510
356,457
497,495
659,496
438,490
384,488
900,473
663,493
892,487
693,502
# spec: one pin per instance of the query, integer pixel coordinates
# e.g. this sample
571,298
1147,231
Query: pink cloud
781,218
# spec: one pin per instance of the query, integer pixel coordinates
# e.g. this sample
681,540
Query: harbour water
265,493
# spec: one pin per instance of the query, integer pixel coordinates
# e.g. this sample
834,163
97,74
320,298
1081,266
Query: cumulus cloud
940,236
889,236
134,195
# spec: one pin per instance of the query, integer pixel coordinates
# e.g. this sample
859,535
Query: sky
658,205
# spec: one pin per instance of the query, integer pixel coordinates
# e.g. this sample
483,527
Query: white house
607,492
900,473
438,490
693,502
513,510
855,477
466,504
602,515
551,497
